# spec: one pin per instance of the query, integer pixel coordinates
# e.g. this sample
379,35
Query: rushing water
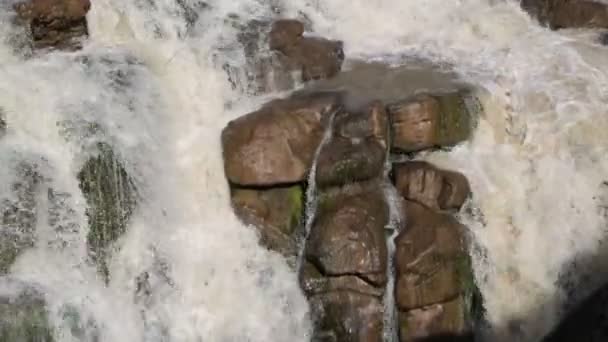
537,162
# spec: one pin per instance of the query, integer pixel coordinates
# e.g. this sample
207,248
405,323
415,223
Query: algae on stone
24,319
111,199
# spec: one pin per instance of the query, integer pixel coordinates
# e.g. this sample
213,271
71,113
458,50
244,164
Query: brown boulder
427,258
316,58
55,23
428,121
568,13
276,213
347,316
348,236
433,187
277,143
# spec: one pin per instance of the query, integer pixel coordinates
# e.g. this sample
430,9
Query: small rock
277,143
428,185
428,121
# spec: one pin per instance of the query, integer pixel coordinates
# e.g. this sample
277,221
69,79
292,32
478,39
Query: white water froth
537,162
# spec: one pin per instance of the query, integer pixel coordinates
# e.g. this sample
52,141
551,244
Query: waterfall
150,83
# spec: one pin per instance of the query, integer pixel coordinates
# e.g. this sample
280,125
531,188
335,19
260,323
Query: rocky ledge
316,153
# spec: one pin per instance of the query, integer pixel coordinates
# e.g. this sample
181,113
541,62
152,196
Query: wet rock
568,13
277,143
23,318
347,316
432,322
111,199
428,121
276,213
348,237
317,58
19,215
435,290
55,23
313,282
357,149
433,187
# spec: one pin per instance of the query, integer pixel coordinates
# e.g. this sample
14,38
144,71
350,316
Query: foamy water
536,163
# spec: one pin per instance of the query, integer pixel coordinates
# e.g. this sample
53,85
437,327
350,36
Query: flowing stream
151,78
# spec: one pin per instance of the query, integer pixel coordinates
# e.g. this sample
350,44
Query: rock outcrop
55,23
344,267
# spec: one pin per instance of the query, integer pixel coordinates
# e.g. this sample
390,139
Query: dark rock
428,121
277,213
2,124
111,199
347,316
428,185
55,23
357,150
277,143
348,236
568,13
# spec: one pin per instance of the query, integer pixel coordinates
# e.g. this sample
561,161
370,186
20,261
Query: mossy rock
473,300
277,213
24,318
455,124
111,199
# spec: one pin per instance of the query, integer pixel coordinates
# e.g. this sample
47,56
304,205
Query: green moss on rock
111,199
455,124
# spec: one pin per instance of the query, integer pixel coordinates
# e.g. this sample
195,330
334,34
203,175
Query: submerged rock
276,144
111,199
568,13
428,121
24,318
55,23
316,58
277,214
430,186
19,216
